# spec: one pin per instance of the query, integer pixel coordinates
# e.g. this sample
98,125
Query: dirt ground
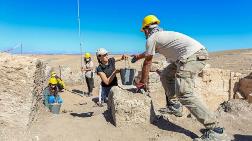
75,122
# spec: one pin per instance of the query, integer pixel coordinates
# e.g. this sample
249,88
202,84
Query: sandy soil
76,124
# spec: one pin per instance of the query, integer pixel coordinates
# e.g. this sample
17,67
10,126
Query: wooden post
60,71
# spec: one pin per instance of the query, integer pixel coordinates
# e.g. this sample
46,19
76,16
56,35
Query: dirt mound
23,80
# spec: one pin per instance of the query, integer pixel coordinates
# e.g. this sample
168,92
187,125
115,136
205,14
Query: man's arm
137,57
146,69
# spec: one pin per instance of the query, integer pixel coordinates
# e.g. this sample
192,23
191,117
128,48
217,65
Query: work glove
134,58
140,85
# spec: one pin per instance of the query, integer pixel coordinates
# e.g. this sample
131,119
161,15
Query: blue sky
50,26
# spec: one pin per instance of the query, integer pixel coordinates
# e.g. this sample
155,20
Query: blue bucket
55,108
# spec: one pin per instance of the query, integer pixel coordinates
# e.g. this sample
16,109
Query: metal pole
79,30
60,71
21,48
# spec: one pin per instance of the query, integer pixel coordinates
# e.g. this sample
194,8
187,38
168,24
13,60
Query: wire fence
17,49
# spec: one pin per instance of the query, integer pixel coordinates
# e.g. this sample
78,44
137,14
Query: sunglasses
103,55
145,27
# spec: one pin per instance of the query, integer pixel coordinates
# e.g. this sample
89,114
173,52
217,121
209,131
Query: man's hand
140,85
134,58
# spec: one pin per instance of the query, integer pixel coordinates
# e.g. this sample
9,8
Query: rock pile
71,77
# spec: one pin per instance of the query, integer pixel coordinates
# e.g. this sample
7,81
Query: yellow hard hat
148,20
53,73
87,55
53,81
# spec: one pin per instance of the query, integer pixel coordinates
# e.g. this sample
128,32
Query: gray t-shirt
173,45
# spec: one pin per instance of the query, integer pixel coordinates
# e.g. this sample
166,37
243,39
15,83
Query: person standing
89,73
188,58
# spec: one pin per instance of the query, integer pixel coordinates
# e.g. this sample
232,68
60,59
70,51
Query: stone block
250,98
129,108
245,86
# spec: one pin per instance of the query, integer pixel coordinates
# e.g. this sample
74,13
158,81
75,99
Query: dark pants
90,84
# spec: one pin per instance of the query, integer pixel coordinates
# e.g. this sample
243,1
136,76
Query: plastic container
55,108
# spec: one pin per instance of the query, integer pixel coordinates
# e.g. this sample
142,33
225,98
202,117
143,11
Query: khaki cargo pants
178,80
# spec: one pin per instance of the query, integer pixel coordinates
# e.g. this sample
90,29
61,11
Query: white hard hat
101,51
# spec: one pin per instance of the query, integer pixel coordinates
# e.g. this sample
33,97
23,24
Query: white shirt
88,65
173,45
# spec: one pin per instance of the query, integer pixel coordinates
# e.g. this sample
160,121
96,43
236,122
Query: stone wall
23,80
213,86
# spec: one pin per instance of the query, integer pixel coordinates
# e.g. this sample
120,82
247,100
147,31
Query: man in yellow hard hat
187,59
60,82
89,73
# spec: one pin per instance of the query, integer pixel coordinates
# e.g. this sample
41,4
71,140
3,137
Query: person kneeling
53,92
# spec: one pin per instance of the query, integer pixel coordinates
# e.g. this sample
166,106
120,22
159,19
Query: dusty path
76,124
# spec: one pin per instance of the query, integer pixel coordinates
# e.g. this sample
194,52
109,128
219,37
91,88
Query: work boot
174,108
177,111
100,104
89,94
215,134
